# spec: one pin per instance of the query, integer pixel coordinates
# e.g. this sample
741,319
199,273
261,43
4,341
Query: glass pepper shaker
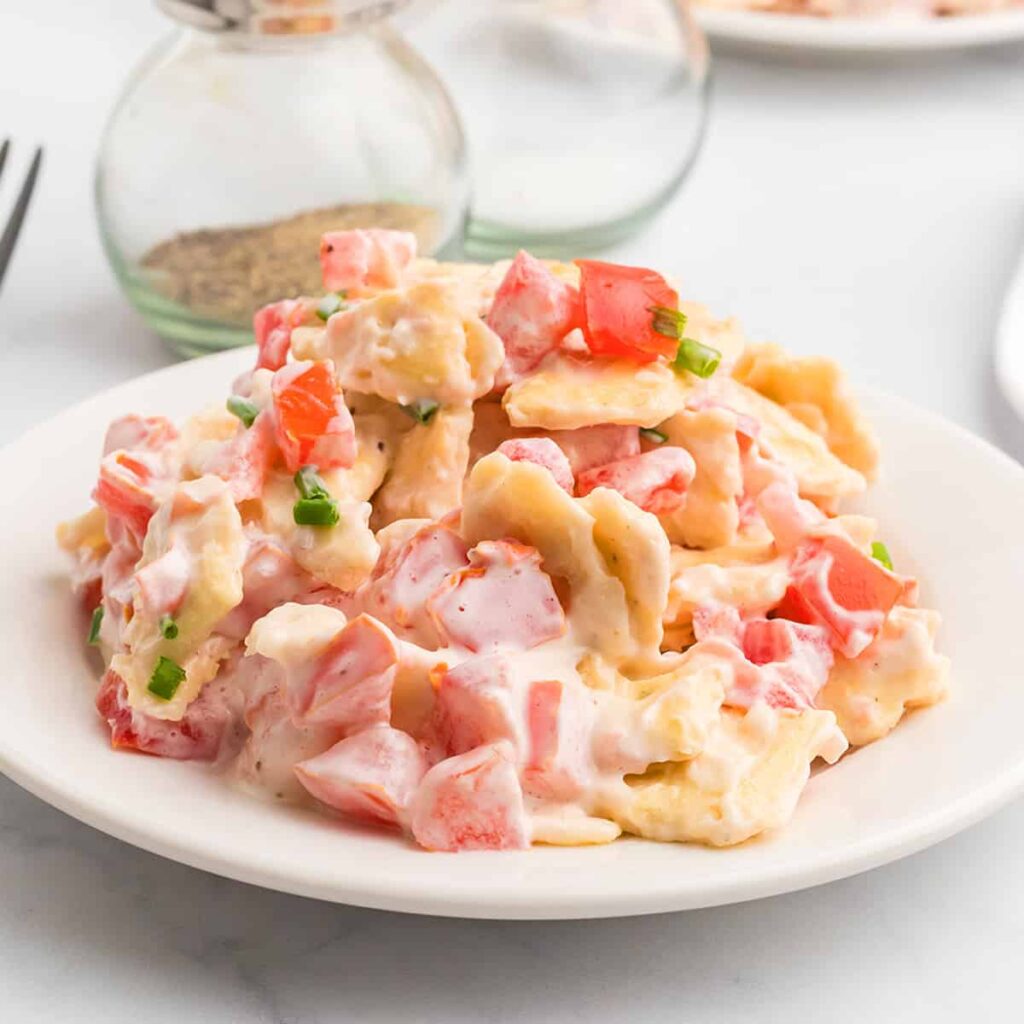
255,127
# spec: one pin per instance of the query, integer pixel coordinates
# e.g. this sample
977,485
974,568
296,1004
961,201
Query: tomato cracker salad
502,555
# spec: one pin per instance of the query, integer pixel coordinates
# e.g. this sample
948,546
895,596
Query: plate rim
867,36
882,846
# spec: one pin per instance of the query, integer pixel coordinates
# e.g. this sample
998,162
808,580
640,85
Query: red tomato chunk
471,802
371,776
313,424
532,312
836,585
618,310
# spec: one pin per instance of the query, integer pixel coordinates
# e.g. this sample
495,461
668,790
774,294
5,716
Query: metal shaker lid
278,17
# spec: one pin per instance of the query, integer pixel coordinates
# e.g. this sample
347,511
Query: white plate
951,509
860,35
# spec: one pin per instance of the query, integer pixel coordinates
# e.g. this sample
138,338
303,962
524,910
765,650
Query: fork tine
3,155
10,235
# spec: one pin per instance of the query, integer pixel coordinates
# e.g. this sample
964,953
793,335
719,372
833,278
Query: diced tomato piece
161,585
471,802
797,659
133,433
787,515
350,684
371,776
556,765
544,452
836,585
531,313
656,480
859,582
406,575
503,600
618,304
777,684
789,683
365,258
588,447
766,640
245,460
479,701
779,662
312,423
273,326
795,607
718,621
196,737
124,491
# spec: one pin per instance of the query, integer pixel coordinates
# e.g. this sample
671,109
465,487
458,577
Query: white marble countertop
872,212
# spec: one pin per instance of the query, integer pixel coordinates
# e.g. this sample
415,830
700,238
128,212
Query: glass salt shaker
255,127
583,116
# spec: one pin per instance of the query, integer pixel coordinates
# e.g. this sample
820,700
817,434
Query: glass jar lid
279,17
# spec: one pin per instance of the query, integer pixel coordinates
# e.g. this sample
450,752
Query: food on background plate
862,9
501,555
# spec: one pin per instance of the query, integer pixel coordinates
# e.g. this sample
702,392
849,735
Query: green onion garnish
168,627
316,507
166,678
700,359
330,304
245,410
94,627
316,512
669,322
309,483
652,435
422,410
880,553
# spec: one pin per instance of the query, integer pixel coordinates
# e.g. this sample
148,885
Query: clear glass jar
583,116
244,136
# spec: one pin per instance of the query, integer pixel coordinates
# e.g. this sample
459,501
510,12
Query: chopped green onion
168,627
330,304
166,678
94,627
669,322
880,553
700,359
652,435
245,410
422,410
316,507
309,483
320,511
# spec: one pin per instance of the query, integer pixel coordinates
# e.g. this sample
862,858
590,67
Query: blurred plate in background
763,31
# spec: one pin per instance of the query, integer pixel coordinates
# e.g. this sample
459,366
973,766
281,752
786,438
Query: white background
873,212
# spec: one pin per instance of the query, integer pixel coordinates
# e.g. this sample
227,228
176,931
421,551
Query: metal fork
10,236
